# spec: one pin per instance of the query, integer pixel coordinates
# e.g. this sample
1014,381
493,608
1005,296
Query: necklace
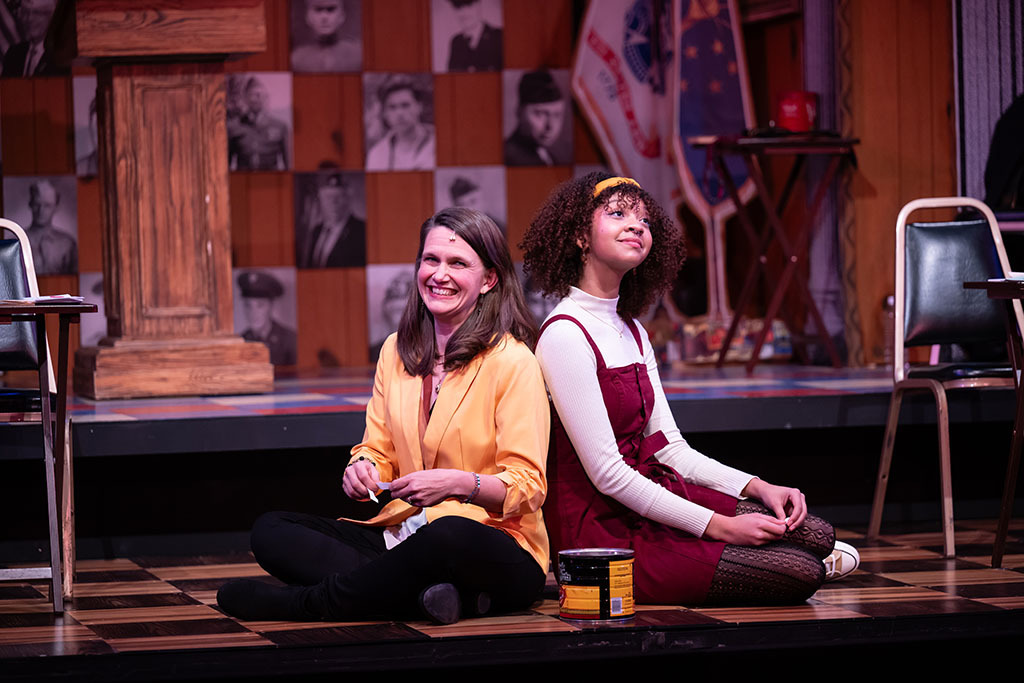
618,329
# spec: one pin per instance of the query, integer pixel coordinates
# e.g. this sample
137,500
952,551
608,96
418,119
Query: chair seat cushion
951,371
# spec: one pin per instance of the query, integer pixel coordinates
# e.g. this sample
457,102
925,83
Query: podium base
121,368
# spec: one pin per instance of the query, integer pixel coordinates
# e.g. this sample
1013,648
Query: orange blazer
490,417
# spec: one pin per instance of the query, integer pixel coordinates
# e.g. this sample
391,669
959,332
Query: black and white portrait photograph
466,35
474,187
259,121
399,121
93,327
83,101
330,219
388,286
327,36
47,207
22,39
538,304
265,310
537,117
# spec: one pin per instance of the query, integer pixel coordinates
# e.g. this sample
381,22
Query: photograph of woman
455,445
703,532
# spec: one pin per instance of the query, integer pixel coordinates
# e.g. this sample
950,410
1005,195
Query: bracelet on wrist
476,489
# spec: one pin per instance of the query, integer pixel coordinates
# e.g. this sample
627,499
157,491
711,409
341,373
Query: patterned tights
782,573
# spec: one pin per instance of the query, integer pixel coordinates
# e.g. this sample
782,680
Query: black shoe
476,604
251,600
440,603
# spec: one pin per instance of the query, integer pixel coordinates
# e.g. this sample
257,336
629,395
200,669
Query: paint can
595,584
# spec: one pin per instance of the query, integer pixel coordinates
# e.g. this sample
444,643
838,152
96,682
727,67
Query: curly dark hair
501,310
553,257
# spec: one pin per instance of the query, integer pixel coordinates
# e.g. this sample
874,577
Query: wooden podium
164,180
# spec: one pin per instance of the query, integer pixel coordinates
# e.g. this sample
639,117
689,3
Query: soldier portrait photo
330,219
47,207
326,36
473,187
537,117
387,292
259,121
466,35
265,310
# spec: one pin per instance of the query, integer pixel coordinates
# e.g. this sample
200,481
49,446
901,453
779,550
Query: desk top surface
782,144
999,289
45,309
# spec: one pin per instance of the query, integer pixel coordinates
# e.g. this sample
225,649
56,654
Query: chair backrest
18,276
933,260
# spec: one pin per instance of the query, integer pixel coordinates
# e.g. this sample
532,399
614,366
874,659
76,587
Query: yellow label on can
620,588
580,600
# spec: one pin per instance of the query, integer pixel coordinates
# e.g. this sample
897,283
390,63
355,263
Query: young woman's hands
749,529
784,501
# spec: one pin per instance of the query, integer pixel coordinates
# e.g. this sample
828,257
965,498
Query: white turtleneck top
570,370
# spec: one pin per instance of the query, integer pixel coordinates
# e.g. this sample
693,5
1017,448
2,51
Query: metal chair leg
945,474
891,423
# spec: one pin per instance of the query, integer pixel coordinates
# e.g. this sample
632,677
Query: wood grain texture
397,204
332,317
527,190
90,227
276,56
133,28
902,80
467,111
396,35
328,110
166,218
538,33
262,219
37,132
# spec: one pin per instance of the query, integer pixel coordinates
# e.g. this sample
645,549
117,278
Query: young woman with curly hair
619,472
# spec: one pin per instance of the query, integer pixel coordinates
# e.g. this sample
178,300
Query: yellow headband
612,182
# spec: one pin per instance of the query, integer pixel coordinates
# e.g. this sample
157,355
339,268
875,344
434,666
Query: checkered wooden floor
168,604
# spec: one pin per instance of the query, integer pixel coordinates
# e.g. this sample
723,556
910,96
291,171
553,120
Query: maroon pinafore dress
671,566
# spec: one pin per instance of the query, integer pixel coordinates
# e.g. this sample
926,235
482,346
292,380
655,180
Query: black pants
352,575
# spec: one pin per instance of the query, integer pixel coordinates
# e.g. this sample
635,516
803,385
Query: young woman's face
620,236
451,277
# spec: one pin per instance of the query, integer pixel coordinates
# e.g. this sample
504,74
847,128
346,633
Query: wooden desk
1009,291
54,439
752,151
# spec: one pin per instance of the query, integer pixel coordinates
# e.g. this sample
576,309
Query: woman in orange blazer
456,434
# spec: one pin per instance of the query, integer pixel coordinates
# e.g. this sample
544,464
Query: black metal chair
20,350
933,260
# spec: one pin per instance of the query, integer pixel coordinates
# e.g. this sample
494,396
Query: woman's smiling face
451,277
620,235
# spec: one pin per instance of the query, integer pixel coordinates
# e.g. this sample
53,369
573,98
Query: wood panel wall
902,110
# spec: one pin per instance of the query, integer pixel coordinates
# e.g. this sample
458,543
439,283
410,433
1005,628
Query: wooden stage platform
150,615
156,619
328,410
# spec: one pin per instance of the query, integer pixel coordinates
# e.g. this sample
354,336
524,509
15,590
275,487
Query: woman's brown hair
500,310
556,243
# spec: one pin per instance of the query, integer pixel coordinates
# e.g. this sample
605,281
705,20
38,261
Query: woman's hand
359,479
786,503
429,487
749,529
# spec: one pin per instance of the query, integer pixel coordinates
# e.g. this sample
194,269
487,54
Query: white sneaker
843,561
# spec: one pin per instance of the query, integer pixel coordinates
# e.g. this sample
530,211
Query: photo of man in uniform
332,235
387,292
404,140
29,57
539,137
471,30
326,38
473,187
260,291
47,208
257,139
